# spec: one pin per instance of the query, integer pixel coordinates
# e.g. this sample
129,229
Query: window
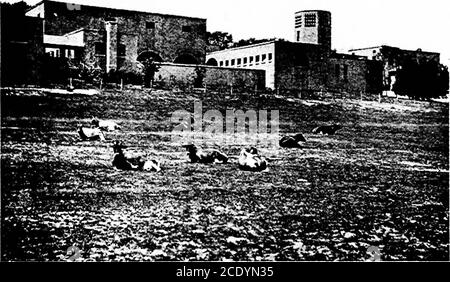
100,48
270,56
298,35
257,59
150,25
251,60
121,50
245,61
186,28
226,63
345,72
221,63
263,58
337,71
70,53
310,20
232,62
239,62
298,21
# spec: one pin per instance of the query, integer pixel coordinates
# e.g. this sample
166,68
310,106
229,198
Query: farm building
112,36
308,64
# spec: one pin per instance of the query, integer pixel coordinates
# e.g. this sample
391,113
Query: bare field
381,181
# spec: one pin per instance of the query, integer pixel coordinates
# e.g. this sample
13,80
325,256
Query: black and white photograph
224,131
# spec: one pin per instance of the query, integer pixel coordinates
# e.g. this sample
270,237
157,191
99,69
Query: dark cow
292,141
197,155
138,163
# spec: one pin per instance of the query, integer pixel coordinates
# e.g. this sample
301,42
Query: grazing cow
197,155
105,124
250,160
123,163
327,129
292,141
91,134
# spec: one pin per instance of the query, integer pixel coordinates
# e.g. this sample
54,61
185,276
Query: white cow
105,125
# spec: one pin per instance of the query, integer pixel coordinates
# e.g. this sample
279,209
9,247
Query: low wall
182,76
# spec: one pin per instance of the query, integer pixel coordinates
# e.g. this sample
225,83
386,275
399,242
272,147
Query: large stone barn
111,37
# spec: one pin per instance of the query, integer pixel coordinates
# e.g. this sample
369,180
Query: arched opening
149,55
186,59
212,62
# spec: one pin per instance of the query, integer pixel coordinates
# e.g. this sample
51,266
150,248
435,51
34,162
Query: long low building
296,66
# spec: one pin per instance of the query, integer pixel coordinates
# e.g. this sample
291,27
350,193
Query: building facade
109,37
306,65
392,58
258,56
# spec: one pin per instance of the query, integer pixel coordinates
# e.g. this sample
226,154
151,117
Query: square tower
313,27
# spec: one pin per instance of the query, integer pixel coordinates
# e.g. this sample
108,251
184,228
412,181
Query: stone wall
214,78
347,75
306,68
300,67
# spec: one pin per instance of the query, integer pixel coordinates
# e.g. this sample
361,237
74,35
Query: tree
200,74
421,79
131,72
218,40
250,41
14,27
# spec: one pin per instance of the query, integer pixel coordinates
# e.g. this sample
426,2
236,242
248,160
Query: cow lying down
105,125
292,141
250,160
327,129
197,155
91,134
121,162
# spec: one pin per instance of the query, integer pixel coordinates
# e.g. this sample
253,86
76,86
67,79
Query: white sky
408,24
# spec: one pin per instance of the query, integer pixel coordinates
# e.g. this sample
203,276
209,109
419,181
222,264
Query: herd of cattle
249,159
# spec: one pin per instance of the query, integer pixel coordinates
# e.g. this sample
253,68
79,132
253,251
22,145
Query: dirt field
381,181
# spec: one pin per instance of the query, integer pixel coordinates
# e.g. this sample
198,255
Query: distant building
308,64
110,37
392,58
